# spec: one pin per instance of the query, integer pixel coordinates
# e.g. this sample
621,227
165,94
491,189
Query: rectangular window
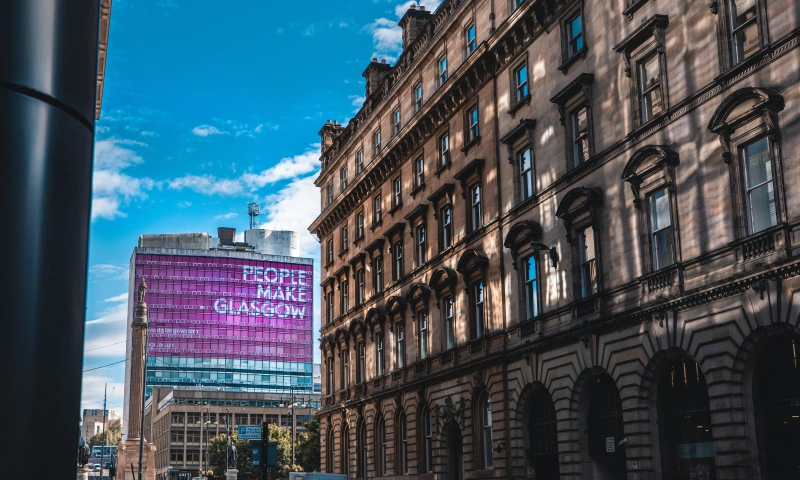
400,351
360,224
419,172
422,325
344,244
444,149
361,286
343,178
379,360
478,308
345,286
330,193
574,35
331,384
396,122
759,185
376,143
475,217
472,45
345,369
397,252
446,216
650,95
661,228
376,210
521,82
418,97
378,274
329,251
329,314
449,323
362,363
421,244
397,192
531,287
360,161
472,118
579,128
442,70
588,264
743,24
525,174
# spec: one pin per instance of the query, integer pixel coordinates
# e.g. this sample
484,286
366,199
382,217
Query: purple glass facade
227,308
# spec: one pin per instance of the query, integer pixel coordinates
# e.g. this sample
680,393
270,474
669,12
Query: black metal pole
48,82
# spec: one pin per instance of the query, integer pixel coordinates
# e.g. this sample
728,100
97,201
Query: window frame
377,210
344,297
442,75
645,92
525,182
361,286
330,307
417,95
419,172
376,143
477,298
426,434
423,343
473,126
344,244
446,227
470,40
345,365
377,273
449,321
400,345
361,366
521,89
589,285
577,95
486,440
380,354
744,156
330,194
402,439
396,119
420,244
652,232
360,227
329,254
443,144
359,161
397,260
726,30
475,207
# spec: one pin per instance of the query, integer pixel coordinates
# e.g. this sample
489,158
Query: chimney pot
413,6
374,59
383,60
422,8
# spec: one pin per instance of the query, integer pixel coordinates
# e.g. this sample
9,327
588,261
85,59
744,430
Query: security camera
623,442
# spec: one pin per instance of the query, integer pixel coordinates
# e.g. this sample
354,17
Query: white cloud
94,387
295,207
387,35
206,130
146,133
185,204
226,216
110,187
115,313
122,297
249,182
108,271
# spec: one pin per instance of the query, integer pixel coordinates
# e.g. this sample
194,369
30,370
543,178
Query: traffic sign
249,432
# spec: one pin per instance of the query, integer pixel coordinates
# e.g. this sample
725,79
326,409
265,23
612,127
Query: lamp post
228,439
292,426
206,423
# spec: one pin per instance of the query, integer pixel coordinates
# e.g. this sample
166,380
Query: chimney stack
375,73
413,23
226,235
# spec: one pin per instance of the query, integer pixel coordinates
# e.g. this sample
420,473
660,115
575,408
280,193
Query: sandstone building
560,240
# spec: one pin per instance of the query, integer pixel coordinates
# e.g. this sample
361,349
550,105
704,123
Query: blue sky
208,106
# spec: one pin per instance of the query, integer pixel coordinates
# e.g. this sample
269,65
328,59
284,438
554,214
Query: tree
217,452
113,435
307,451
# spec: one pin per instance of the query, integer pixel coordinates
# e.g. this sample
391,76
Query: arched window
426,440
776,395
345,446
542,435
402,445
684,419
362,450
380,461
485,416
605,428
329,451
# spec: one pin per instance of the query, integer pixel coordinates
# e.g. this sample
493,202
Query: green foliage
113,435
307,449
217,451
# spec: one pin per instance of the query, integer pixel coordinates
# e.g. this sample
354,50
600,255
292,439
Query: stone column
138,365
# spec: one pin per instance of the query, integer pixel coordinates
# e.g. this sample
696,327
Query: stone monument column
138,364
135,445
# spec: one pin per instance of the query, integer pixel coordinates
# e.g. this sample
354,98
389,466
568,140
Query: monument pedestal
128,453
83,473
232,474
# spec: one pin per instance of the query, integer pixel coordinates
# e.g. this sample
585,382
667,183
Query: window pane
759,165
760,187
659,210
587,245
576,30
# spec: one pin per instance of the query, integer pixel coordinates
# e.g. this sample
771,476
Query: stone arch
744,105
395,305
533,396
578,198
744,372
472,258
664,154
418,291
524,231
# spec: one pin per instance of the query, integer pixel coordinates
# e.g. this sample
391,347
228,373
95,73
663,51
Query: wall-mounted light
553,254
500,447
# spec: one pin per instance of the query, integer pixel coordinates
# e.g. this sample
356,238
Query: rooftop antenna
253,210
